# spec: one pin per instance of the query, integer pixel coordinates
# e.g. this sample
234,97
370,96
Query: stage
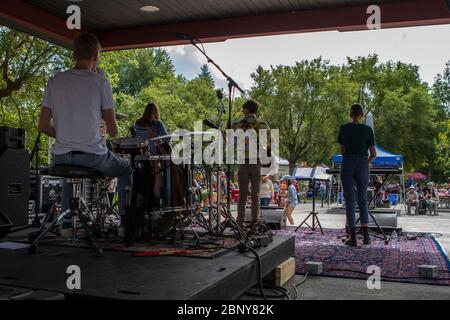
118,275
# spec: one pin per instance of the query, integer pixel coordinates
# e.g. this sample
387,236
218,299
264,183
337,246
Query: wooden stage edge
120,276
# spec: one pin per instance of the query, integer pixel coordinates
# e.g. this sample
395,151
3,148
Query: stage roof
120,24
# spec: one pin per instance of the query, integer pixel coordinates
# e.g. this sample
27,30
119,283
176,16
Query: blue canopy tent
384,159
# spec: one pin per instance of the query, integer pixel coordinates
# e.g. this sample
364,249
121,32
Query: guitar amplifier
273,217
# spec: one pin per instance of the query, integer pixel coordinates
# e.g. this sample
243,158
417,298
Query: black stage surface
120,276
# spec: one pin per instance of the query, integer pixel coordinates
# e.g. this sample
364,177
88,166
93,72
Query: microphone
184,36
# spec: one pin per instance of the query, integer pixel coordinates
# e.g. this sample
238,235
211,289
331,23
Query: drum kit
164,201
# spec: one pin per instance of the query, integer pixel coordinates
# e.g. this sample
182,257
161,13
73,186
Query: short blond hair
85,46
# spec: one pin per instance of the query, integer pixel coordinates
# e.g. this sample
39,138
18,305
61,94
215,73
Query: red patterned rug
397,262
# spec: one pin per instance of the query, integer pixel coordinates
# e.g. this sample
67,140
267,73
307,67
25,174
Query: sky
428,47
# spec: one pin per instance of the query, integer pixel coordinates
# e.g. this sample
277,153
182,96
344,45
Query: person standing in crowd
292,200
355,140
267,191
283,194
250,171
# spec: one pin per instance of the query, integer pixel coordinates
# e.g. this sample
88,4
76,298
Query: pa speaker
15,185
273,217
385,218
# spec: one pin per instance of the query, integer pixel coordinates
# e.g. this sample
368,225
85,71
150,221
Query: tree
405,113
443,151
181,102
23,58
26,63
300,101
441,90
206,74
133,70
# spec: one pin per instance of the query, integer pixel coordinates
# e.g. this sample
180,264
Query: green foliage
441,90
307,102
26,63
443,150
133,70
206,74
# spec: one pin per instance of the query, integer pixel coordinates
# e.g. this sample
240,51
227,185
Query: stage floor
119,276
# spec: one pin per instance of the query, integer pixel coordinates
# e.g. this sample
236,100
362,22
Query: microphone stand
231,84
239,233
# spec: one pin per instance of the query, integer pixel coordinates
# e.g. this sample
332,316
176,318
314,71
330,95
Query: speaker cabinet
273,217
15,185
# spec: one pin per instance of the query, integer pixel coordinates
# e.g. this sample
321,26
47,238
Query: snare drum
134,146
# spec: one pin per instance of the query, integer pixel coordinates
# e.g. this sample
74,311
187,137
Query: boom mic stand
243,239
231,85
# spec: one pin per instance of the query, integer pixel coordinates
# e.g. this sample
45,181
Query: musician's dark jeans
110,165
355,173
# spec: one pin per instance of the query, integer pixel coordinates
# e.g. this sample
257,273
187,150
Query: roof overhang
39,22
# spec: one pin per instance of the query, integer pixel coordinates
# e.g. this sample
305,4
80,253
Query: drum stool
75,176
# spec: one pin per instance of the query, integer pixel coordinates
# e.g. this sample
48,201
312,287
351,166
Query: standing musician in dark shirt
355,140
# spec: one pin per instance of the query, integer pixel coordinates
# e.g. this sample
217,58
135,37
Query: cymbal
187,134
121,116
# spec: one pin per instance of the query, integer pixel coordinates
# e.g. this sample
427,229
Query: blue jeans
110,165
355,173
265,202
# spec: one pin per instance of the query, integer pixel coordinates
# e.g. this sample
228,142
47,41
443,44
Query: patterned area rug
397,262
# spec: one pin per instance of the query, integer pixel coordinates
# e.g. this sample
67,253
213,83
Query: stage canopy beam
49,21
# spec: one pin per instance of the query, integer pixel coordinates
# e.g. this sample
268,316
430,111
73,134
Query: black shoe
366,237
352,242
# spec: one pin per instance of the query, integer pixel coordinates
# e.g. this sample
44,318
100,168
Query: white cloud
428,47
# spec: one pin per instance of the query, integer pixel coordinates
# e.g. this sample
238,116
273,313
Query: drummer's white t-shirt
76,99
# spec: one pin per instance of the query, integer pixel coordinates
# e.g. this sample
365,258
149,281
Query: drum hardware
132,146
97,211
79,213
106,216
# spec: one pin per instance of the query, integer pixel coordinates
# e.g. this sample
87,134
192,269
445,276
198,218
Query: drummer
150,126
